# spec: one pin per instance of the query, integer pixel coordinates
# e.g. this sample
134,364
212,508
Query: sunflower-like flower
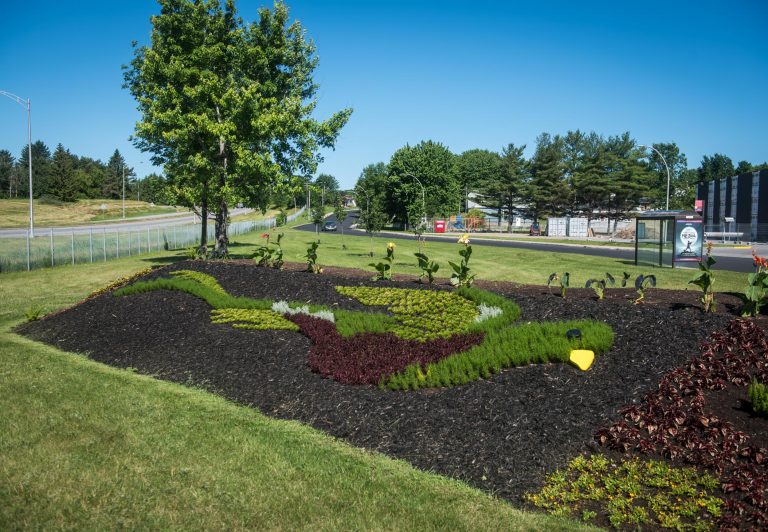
464,239
391,246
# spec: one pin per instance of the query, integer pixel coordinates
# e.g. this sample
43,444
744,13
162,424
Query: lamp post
123,190
26,104
665,165
423,201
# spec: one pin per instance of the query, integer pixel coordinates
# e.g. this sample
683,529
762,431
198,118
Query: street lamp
423,201
123,190
665,165
26,104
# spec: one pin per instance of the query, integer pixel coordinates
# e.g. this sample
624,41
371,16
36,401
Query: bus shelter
669,238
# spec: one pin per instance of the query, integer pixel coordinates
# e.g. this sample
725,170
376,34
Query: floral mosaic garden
469,381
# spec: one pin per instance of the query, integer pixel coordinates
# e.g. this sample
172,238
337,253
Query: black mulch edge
501,435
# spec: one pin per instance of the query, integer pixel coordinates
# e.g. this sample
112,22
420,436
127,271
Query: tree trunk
221,249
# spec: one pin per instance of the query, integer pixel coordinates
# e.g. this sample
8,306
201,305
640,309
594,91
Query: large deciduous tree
434,166
227,106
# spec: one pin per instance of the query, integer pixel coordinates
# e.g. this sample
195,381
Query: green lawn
14,213
489,262
83,445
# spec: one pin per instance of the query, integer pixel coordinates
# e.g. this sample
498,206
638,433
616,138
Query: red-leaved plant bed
366,358
676,423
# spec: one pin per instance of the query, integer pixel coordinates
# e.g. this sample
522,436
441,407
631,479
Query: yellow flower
464,239
391,246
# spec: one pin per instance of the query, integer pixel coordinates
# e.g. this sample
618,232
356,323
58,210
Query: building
735,207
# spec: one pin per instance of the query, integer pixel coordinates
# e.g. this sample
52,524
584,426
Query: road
132,224
728,258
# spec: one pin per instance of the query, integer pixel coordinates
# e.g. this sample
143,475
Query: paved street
738,259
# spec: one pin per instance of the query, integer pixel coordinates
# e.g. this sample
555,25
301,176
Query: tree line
65,176
576,174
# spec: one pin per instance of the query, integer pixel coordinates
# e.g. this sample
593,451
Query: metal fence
56,247
730,231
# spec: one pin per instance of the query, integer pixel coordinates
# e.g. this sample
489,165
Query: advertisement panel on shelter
689,239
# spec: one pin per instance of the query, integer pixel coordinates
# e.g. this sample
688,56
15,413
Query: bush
758,395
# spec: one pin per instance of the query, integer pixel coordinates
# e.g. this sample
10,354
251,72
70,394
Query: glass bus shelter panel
648,238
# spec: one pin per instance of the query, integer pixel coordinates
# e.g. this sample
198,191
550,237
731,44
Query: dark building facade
743,198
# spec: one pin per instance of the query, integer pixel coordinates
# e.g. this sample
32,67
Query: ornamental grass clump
705,279
758,395
384,268
757,284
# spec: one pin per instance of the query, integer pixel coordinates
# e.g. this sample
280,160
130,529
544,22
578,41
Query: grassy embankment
88,446
84,445
14,213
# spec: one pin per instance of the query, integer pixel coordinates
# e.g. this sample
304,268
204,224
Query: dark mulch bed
501,435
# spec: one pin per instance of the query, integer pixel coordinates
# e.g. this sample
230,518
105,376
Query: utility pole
123,189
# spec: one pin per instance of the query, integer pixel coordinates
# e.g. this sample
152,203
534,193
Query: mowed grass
14,213
83,445
522,266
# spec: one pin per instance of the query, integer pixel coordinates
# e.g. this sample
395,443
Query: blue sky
475,74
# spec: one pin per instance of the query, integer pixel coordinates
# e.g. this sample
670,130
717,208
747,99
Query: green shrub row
514,346
215,298
504,346
202,278
252,318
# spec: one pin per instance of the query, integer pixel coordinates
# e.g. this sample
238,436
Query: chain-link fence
55,247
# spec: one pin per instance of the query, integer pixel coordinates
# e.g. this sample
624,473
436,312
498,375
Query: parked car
329,226
534,230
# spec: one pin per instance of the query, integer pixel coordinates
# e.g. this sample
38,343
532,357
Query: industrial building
735,208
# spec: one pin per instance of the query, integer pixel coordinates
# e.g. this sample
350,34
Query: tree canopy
226,107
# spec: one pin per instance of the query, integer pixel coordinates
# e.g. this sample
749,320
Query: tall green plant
462,275
270,255
428,267
705,279
311,256
757,284
600,285
384,268
642,283
564,281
